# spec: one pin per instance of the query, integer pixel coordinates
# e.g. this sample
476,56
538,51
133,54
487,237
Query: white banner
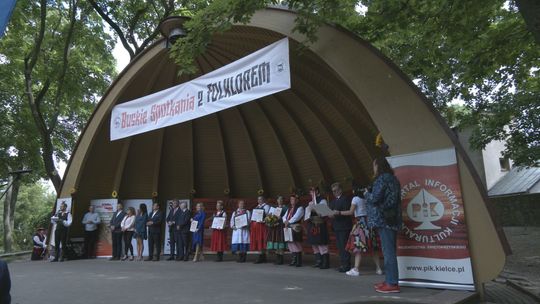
259,74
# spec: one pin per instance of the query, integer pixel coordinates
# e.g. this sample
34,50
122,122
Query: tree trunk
530,10
9,212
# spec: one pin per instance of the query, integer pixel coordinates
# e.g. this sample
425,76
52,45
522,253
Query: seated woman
292,220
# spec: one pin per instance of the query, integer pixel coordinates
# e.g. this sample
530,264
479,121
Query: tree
34,202
480,52
135,22
55,62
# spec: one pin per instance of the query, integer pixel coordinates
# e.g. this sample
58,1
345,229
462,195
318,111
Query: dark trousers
154,240
182,244
60,240
172,240
90,238
117,244
341,241
128,247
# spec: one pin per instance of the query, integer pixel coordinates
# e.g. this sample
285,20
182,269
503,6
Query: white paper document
257,215
277,211
193,227
288,234
240,221
323,210
218,223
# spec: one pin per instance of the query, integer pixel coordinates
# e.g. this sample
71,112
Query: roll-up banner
259,74
433,247
105,208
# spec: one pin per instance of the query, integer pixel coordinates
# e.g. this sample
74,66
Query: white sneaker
353,272
379,272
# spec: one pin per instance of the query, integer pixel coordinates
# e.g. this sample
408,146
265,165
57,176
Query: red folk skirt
257,236
219,240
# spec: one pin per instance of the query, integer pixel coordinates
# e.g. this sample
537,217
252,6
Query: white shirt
66,223
91,221
296,217
360,209
39,242
128,223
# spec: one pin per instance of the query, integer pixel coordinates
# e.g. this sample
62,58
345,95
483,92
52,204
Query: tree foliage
35,202
480,52
55,61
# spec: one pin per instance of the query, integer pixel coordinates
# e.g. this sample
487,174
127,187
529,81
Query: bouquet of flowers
271,220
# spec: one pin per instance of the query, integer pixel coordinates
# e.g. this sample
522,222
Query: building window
505,164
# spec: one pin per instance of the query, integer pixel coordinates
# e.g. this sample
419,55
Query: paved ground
519,282
100,281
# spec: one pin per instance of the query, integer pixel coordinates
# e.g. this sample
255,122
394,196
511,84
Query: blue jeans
388,242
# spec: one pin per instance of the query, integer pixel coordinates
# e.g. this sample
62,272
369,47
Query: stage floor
102,281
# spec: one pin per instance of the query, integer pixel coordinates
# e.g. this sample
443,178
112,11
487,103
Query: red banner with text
433,247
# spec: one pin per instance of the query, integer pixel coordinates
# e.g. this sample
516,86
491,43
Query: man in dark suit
183,223
342,225
116,230
171,217
5,284
154,233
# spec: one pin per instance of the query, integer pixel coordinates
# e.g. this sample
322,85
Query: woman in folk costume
362,240
292,219
258,231
317,231
275,239
219,236
197,237
240,235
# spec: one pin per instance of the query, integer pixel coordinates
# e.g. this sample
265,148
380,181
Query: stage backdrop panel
433,246
167,244
105,208
135,204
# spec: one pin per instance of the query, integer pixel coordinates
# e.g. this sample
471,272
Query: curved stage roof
343,93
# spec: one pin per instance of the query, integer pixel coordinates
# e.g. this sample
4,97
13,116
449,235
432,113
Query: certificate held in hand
193,227
287,232
323,210
240,221
257,215
218,223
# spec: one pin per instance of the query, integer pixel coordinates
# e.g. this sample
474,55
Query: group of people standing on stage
367,224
